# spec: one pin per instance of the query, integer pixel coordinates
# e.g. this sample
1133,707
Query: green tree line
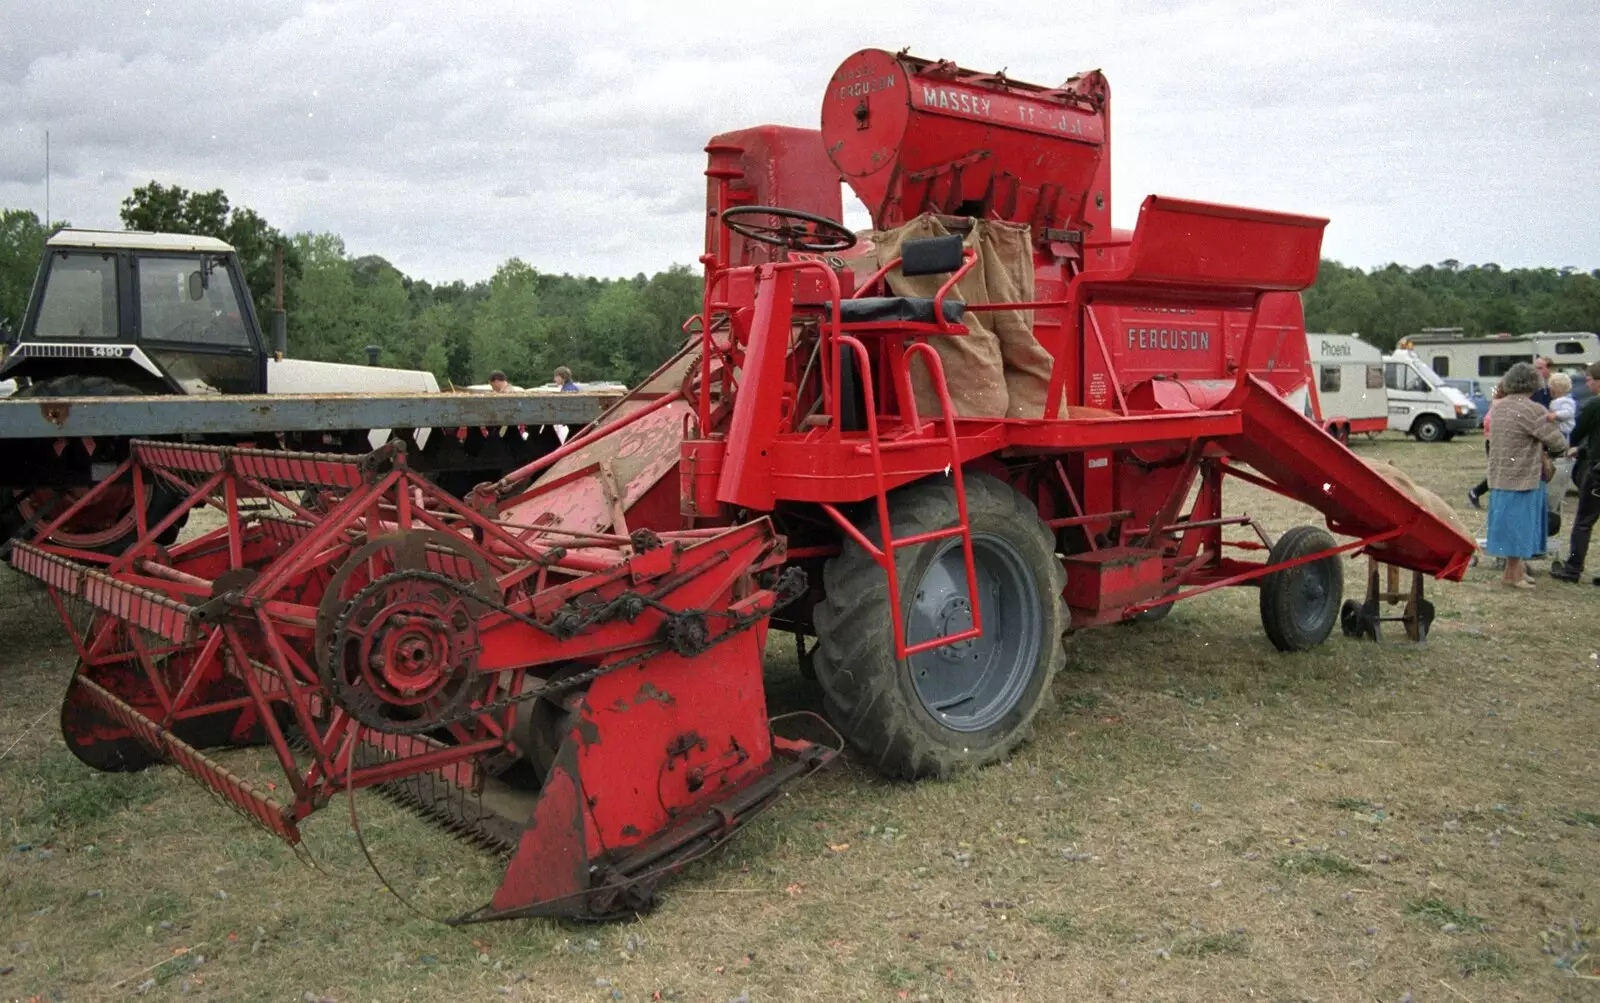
1388,303
526,322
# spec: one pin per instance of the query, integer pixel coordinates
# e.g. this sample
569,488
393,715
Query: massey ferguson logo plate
1168,339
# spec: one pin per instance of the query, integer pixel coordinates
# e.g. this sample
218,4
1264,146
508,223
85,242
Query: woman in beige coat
1520,437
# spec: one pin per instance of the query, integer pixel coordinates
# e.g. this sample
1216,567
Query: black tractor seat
919,256
898,310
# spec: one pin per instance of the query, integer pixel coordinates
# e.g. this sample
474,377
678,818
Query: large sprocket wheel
962,705
397,638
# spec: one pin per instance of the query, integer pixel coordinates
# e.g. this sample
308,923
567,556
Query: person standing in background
1542,365
564,380
1564,412
1521,436
1586,443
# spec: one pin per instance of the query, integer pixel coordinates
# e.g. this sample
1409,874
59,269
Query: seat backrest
931,255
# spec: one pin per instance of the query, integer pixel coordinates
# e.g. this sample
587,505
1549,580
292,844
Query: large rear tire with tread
104,531
1300,605
963,705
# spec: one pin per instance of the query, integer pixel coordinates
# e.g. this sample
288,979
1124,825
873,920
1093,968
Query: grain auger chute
589,704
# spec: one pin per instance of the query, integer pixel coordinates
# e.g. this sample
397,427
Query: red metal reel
150,680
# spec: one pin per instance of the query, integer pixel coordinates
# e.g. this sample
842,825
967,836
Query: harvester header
913,135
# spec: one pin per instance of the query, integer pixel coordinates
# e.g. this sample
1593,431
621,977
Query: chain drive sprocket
679,634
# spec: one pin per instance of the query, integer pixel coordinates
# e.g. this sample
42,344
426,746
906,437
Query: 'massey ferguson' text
1164,339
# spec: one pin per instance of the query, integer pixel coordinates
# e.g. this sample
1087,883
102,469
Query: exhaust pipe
280,333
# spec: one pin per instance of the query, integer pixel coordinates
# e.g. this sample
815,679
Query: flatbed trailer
244,415
55,448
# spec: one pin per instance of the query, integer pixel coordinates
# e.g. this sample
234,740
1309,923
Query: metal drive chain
685,632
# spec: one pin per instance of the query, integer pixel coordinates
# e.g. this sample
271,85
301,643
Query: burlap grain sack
998,369
1432,502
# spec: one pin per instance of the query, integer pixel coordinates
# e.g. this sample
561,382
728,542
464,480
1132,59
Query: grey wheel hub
973,684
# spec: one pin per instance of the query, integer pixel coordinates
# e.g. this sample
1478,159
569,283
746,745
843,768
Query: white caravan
1348,396
1419,402
1450,353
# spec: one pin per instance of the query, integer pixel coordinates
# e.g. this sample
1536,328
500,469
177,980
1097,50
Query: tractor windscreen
80,298
189,299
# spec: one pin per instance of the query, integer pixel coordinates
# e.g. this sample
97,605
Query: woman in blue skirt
1520,435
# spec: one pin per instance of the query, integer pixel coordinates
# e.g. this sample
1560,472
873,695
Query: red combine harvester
931,450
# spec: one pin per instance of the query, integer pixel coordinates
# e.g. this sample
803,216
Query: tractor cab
156,312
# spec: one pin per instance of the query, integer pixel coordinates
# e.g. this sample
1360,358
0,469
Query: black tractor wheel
962,705
1300,605
109,526
1429,429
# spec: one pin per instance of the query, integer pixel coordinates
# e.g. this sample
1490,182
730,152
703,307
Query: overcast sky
450,137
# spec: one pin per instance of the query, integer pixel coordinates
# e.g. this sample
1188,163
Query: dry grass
1199,818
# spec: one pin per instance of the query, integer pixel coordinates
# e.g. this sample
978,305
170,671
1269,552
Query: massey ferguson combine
929,451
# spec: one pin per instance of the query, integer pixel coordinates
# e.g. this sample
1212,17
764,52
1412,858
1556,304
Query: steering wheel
812,234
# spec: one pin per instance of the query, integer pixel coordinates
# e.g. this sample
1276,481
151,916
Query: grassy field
1198,818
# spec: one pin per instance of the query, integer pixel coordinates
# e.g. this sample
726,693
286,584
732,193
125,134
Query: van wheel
1428,429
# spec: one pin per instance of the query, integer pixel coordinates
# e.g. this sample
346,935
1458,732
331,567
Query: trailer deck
72,417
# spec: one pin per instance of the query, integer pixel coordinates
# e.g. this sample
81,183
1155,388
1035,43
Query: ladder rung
930,535
865,448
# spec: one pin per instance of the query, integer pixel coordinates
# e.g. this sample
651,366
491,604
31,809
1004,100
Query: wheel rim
110,517
1313,592
971,685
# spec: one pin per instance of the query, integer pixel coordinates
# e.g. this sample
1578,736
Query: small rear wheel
1300,605
965,704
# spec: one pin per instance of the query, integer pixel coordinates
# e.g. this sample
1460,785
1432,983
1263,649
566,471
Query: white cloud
449,138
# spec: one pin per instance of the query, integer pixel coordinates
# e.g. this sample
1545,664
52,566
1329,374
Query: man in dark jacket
1586,439
1542,364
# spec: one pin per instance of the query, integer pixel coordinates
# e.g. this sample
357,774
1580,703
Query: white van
1348,395
1453,355
1419,402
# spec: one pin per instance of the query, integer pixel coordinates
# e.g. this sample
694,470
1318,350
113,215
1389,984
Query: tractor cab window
190,299
80,298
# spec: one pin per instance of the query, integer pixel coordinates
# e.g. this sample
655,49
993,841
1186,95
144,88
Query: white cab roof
137,240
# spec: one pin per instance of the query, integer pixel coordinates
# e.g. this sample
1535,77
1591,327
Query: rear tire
882,704
1300,605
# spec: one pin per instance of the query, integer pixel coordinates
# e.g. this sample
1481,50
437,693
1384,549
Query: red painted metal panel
909,133
1112,578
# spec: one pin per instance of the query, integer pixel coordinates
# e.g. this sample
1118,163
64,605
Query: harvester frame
566,663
